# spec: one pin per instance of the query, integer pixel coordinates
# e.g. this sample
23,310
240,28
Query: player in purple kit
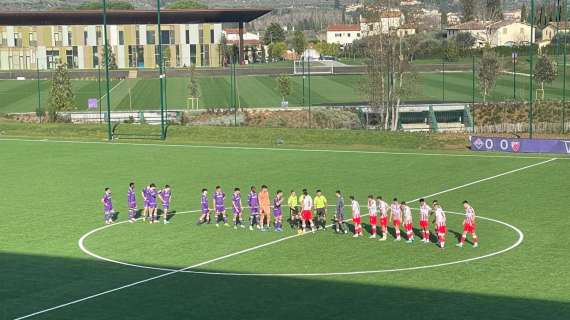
237,208
253,203
277,213
145,200
165,195
132,202
108,206
205,217
152,193
219,208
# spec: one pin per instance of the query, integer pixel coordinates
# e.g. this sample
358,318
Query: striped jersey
396,211
424,212
355,209
469,215
372,208
407,214
440,218
383,207
307,203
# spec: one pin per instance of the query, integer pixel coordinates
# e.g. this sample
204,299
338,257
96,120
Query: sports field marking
478,155
516,244
253,248
113,88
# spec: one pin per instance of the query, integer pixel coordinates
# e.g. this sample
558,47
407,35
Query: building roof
564,25
470,25
500,24
118,17
343,27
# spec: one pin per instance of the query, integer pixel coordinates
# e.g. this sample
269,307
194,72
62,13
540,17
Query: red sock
426,235
475,240
397,233
441,239
462,239
373,230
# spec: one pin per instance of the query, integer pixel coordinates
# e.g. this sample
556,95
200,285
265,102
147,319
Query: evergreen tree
299,42
284,84
274,33
61,93
468,10
186,4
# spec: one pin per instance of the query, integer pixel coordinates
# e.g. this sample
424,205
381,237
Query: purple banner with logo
92,104
519,145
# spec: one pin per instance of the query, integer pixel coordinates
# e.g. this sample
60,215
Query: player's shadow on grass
26,289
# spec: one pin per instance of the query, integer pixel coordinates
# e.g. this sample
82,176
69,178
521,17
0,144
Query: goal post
301,67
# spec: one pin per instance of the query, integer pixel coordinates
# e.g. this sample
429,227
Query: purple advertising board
515,145
92,104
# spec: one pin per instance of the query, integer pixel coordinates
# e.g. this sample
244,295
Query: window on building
192,54
201,34
136,56
177,56
165,36
121,37
348,34
505,31
187,36
137,36
338,35
98,40
95,57
150,37
69,38
4,37
205,54
85,37
212,36
71,58
358,35
33,39
17,40
52,58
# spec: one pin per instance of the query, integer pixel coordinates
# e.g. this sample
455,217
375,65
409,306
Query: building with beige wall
494,34
134,46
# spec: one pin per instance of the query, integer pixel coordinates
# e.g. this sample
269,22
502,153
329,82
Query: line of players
302,207
150,195
301,212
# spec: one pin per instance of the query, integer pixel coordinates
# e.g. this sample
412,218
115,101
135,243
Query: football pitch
262,91
59,261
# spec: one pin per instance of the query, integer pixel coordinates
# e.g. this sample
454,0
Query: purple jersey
145,195
107,203
219,198
204,203
152,197
131,198
165,195
236,203
277,206
253,202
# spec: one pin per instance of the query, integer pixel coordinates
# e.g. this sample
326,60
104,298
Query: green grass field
52,192
262,91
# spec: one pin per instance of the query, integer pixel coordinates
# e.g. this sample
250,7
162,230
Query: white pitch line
478,155
248,250
516,244
113,88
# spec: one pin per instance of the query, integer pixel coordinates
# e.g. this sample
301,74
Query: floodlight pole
303,75
514,75
160,71
39,87
110,132
564,52
530,94
99,88
473,97
309,80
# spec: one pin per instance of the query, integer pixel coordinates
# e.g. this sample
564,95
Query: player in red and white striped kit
408,222
469,225
440,224
396,217
383,208
372,215
356,219
424,220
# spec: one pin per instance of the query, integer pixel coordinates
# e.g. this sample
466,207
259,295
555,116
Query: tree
545,71
468,10
193,85
284,84
489,69
524,13
112,59
277,50
494,10
112,5
465,41
451,50
299,42
61,93
328,49
274,33
186,4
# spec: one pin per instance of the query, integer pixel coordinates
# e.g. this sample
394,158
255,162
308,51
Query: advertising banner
515,145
